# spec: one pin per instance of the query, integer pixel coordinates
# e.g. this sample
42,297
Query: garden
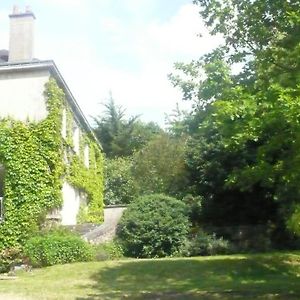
213,199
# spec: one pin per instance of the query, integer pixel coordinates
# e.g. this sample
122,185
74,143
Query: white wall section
71,204
22,95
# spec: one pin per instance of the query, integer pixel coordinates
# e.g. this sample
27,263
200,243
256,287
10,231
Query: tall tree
245,133
119,136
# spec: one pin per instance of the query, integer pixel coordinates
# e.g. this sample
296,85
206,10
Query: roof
52,68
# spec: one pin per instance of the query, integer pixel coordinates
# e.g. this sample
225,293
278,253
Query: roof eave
51,66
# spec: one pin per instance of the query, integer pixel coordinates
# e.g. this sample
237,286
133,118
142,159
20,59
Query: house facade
50,160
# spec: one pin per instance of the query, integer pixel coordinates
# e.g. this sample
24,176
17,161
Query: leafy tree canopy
244,131
120,136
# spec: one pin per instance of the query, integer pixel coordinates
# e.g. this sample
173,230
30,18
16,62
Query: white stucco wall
71,204
22,95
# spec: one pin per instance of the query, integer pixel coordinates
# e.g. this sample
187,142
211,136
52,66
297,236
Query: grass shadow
236,277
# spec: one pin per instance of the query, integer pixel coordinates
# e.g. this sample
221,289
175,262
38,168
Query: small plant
208,244
57,247
108,251
153,226
9,257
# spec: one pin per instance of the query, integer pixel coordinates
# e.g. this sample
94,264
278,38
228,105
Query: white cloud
156,47
178,37
68,4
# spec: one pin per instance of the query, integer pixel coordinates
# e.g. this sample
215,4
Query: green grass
265,276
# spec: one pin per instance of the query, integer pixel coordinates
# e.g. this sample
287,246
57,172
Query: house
50,160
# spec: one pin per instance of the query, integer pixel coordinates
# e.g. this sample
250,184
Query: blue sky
124,46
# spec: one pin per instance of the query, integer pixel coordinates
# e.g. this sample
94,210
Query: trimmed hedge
57,247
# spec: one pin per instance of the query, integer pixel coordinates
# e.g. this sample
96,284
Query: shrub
153,226
57,247
108,251
9,257
208,244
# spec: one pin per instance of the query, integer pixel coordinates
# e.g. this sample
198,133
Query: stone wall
106,231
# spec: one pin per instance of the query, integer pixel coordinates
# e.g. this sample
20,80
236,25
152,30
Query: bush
57,247
153,226
108,251
9,257
208,244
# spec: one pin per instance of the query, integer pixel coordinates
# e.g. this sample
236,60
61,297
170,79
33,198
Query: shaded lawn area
265,276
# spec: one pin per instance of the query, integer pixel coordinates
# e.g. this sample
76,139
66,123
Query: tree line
235,158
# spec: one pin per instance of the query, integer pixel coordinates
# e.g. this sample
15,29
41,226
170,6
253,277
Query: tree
159,166
120,185
244,132
119,136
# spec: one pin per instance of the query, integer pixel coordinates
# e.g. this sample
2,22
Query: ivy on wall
33,156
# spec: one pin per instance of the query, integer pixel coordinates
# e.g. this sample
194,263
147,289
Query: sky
126,47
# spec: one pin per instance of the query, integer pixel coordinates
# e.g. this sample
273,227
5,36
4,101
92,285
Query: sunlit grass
267,276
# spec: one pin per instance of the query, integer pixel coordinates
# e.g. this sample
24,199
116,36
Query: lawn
266,276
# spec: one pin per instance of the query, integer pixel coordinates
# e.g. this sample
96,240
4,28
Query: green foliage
242,153
159,167
120,185
153,226
90,180
57,247
206,244
119,136
8,257
108,251
293,223
33,157
194,205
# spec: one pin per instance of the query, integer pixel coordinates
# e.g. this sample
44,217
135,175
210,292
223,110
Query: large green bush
153,226
57,247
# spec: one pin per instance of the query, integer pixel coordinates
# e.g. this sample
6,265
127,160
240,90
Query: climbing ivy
33,156
87,180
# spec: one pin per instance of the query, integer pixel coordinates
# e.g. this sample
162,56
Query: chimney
21,35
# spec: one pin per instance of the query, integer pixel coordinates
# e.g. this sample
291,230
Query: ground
265,276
